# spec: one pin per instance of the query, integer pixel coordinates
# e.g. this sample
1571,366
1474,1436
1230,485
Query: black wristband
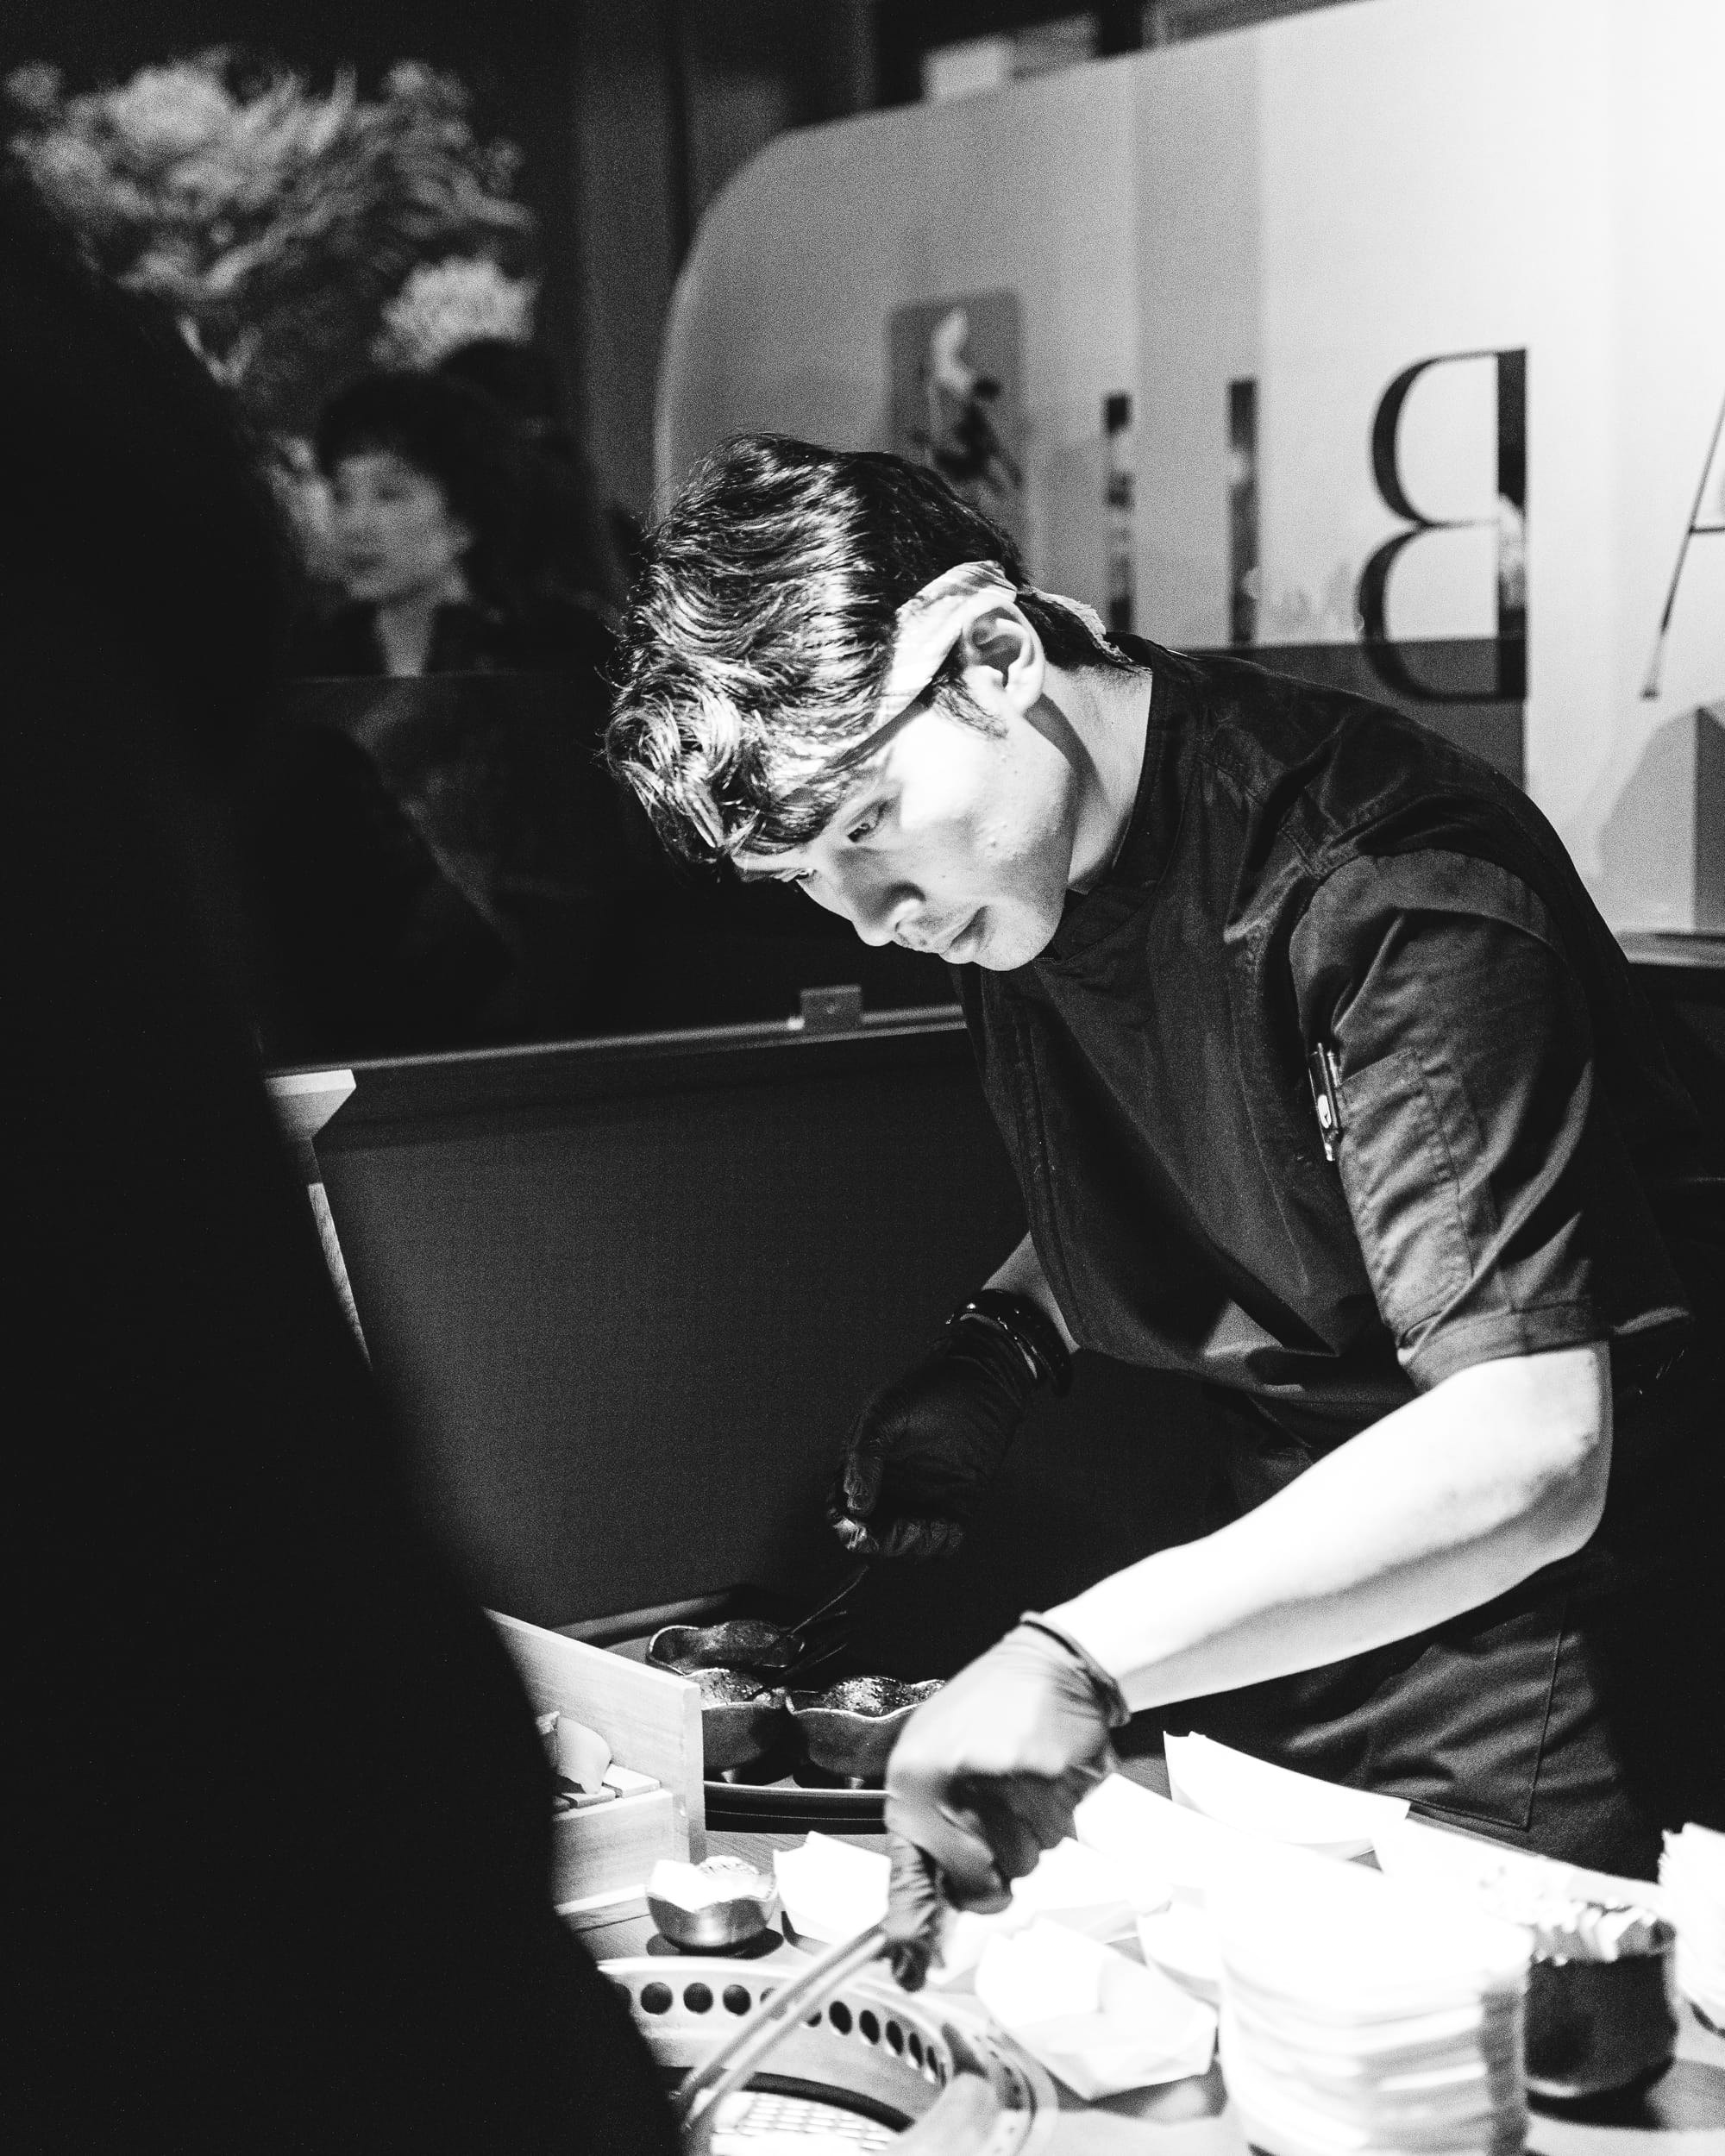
1029,1328
1106,1687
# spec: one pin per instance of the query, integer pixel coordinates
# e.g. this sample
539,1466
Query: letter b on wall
1509,516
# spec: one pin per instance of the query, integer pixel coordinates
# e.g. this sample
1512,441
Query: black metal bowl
737,1726
1594,2026
851,1742
740,1643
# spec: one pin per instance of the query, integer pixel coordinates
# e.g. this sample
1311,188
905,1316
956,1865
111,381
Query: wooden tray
651,1721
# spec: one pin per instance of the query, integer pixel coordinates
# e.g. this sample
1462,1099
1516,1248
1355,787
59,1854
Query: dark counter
628,1295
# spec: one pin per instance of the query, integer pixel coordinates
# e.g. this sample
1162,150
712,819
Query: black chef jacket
1307,879
1307,871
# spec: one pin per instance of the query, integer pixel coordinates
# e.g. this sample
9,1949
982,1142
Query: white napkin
1088,1891
582,1754
1182,1941
699,1886
1439,1857
1100,2022
1250,1794
1692,1880
1153,1838
1072,1886
1704,1847
830,1888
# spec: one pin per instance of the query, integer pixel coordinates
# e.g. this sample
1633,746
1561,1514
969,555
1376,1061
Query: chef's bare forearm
1022,1275
1449,1501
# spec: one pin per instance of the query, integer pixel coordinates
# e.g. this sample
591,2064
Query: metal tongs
764,1648
812,1650
833,1610
834,1606
961,2123
737,2058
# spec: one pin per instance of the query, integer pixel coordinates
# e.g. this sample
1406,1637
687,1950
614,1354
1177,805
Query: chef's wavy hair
760,632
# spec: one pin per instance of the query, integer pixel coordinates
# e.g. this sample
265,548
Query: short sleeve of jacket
1479,1162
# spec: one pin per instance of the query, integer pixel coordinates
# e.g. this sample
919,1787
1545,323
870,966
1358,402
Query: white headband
929,623
934,619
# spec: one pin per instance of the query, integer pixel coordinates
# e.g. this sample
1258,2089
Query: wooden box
651,1721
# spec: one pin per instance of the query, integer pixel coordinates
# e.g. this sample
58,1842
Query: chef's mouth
943,947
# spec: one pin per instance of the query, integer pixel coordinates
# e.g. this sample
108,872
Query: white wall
1317,204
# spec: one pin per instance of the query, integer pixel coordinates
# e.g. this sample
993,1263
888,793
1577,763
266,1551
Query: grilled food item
727,1687
874,1695
849,1728
740,1643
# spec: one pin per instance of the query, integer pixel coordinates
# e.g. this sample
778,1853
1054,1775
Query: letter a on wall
1695,530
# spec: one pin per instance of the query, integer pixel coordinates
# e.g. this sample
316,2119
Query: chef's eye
865,825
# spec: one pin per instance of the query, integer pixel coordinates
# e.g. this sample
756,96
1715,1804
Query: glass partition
442,861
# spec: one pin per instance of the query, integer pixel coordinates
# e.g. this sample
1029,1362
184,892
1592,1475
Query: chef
1326,1089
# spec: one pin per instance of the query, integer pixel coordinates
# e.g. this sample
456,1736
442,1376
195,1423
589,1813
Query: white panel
1317,205
1197,179
780,319
1666,161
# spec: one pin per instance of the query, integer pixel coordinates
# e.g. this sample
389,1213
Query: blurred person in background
427,492
576,548
372,947
373,941
441,862
278,1857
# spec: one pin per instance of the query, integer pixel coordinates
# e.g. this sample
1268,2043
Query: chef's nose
878,915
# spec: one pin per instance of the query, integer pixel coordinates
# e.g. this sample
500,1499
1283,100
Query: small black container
1594,2026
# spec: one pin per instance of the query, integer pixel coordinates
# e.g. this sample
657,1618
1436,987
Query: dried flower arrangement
292,232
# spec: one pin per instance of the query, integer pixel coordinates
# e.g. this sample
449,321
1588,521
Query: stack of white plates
1692,1880
1362,2019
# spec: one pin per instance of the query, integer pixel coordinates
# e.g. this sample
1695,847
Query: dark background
631,115
629,1298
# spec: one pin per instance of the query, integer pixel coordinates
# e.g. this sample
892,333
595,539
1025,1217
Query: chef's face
956,838
392,531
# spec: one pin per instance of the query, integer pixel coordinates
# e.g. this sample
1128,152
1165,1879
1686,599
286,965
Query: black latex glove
925,1447
987,1774
916,1909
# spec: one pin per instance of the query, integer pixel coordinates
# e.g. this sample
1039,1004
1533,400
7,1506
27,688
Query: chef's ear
1003,660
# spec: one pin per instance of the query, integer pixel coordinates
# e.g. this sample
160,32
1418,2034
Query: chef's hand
925,1447
987,1772
916,1910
